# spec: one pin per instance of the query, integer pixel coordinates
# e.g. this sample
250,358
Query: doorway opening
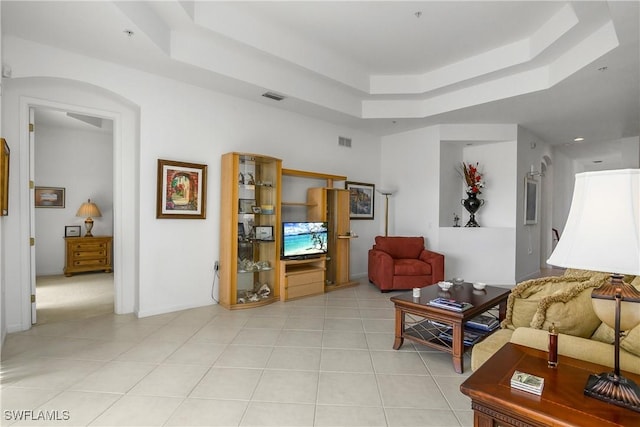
72,153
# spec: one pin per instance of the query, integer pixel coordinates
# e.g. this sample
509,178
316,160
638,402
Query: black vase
472,204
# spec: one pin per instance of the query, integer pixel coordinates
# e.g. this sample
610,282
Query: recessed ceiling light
578,139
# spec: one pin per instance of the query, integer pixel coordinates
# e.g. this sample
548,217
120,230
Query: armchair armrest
436,260
381,269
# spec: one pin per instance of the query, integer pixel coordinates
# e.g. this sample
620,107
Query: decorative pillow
563,301
630,341
571,310
604,334
575,272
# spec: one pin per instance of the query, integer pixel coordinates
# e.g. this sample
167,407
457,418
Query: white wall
82,163
183,122
411,165
531,150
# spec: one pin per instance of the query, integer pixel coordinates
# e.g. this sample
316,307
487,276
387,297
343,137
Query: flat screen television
304,239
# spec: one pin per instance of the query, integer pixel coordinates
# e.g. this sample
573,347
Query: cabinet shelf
300,204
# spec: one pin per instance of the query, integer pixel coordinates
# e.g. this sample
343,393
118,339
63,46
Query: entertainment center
265,258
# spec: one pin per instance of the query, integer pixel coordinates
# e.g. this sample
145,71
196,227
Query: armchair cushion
400,247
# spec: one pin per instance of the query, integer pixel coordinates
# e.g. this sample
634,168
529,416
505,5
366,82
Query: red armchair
403,263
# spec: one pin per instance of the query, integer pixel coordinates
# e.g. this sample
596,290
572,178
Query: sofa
400,263
565,302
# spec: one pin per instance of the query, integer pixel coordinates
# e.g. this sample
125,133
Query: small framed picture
49,197
245,205
256,209
72,231
264,232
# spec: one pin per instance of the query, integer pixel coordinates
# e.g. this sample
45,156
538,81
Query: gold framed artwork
49,197
182,190
361,200
4,177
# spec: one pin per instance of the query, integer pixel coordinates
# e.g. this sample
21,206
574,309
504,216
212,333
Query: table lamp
603,234
88,210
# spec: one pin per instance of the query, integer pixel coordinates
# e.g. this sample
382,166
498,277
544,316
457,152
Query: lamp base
88,224
614,389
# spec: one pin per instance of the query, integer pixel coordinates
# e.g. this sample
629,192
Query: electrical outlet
216,266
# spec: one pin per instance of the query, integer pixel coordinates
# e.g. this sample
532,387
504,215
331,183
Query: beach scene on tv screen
304,238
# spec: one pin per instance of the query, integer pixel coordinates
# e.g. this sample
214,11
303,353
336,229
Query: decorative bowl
444,285
479,285
458,280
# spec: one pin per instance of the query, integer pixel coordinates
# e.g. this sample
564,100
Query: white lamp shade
603,227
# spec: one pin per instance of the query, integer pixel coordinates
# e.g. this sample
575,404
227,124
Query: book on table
483,322
470,337
527,382
450,304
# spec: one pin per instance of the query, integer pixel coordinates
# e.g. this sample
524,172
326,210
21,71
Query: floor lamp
386,194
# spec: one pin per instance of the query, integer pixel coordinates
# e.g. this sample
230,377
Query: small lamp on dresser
603,234
88,210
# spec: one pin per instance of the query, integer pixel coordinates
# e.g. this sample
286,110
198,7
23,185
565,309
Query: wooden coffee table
431,321
562,402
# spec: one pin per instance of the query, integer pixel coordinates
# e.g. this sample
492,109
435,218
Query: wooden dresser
87,254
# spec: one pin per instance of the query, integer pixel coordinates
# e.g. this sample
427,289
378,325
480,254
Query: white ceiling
382,67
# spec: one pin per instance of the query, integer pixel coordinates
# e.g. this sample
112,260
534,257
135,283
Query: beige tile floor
318,361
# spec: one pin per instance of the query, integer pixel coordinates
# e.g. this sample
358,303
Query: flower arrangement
472,177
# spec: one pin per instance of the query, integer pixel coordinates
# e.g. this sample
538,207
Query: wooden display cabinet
332,205
249,230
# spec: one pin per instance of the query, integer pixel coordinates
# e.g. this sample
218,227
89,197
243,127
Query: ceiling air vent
273,95
344,141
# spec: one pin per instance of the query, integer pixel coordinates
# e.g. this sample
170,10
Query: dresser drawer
304,278
89,254
304,290
98,263
92,246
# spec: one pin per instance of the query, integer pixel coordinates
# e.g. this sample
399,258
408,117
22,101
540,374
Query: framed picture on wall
530,201
182,190
49,197
361,200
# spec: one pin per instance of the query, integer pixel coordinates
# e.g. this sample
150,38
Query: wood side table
562,402
84,254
